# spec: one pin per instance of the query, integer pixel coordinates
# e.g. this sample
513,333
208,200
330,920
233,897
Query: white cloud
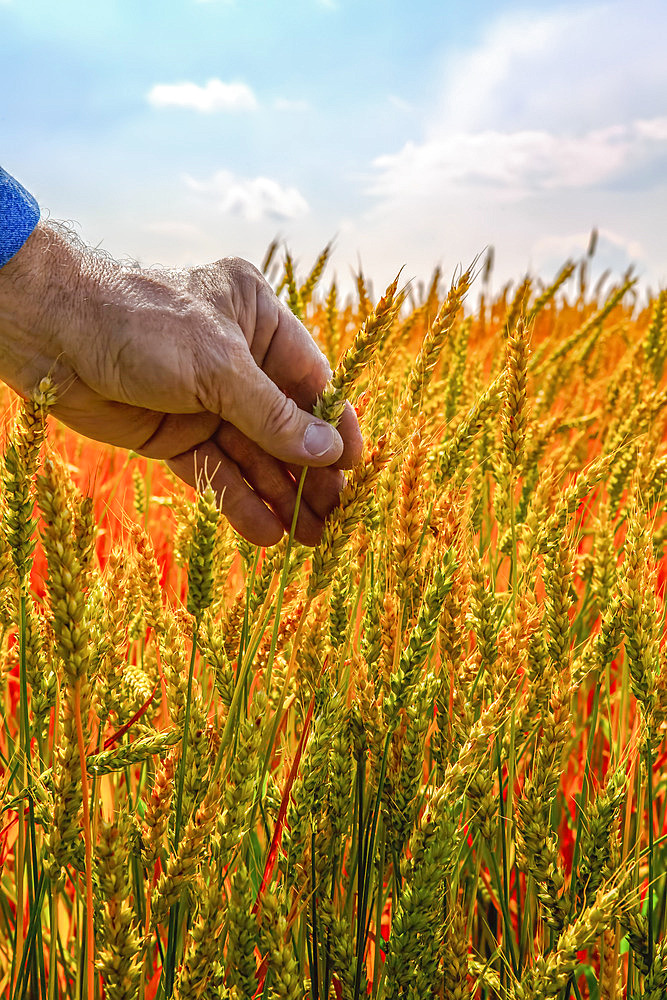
550,248
254,198
550,124
213,96
653,128
400,104
290,104
522,163
582,67
478,79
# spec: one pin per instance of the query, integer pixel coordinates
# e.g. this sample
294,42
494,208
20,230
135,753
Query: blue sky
416,134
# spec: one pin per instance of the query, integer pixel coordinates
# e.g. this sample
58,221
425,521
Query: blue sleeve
19,214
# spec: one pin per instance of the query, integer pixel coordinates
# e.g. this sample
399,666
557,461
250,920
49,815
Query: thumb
267,416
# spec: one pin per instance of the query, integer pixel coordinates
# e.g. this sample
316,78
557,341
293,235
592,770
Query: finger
272,481
353,442
179,432
321,489
238,391
295,363
241,506
281,346
87,412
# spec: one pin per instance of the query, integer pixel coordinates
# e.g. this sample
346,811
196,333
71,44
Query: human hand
202,367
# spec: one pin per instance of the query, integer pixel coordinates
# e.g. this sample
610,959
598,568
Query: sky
412,134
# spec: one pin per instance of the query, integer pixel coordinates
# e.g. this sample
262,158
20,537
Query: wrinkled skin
201,367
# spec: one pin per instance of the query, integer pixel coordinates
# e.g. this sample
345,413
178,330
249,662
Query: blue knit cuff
19,214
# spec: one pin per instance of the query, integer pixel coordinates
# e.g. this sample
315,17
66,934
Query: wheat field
422,759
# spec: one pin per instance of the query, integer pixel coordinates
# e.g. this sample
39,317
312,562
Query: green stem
501,809
21,988
507,936
378,914
283,580
361,764
327,944
649,778
515,551
314,971
272,651
524,923
170,957
582,795
580,815
239,688
53,959
173,917
27,773
366,866
186,728
250,584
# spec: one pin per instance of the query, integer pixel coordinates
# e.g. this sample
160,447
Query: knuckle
216,396
280,416
238,271
232,285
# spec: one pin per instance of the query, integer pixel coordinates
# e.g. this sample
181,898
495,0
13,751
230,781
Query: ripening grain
424,758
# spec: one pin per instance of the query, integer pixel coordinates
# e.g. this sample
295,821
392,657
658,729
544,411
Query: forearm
21,277
37,268
34,284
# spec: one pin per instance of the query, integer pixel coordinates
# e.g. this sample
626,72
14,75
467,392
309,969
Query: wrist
39,289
